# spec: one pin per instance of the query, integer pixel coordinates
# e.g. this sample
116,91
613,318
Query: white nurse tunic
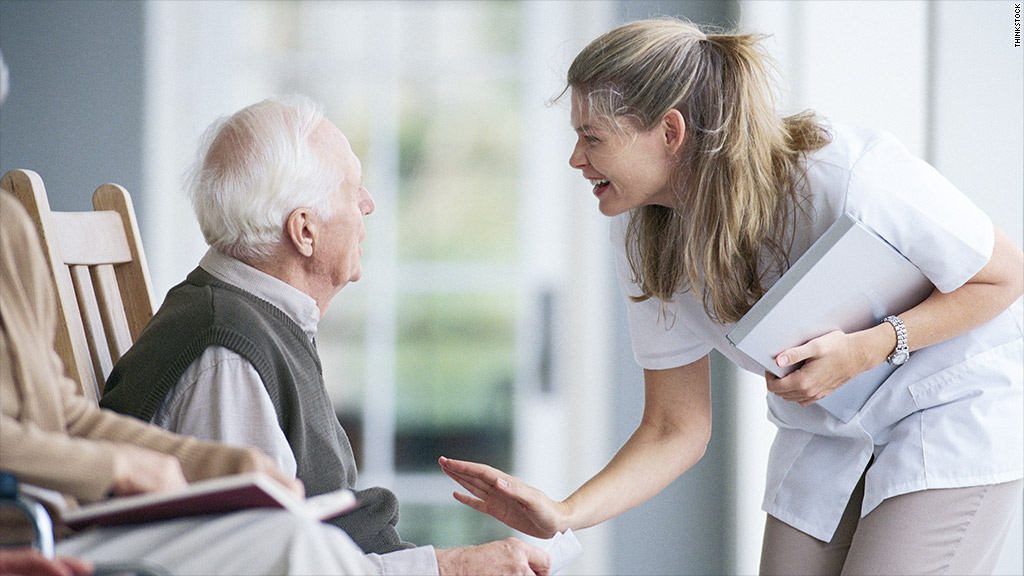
950,417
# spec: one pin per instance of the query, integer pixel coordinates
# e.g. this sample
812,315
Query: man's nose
366,203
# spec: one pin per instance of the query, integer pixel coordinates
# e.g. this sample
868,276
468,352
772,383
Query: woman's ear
674,127
300,229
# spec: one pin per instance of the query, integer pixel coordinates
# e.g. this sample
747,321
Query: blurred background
488,325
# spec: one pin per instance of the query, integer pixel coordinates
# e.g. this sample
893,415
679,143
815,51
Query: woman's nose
577,159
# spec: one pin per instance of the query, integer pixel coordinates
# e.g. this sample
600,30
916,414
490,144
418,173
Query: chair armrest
35,512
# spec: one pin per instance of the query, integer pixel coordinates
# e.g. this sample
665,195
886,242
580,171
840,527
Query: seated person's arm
101,467
96,445
44,458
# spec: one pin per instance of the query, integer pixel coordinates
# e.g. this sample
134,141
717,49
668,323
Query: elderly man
231,354
56,439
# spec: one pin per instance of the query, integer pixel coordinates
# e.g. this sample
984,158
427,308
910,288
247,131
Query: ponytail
736,183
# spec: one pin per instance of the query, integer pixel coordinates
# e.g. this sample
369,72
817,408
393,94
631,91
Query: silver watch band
899,354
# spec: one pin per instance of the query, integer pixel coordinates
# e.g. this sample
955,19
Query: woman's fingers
475,486
479,479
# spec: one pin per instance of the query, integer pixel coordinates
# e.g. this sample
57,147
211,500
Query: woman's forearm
942,316
644,466
671,437
833,359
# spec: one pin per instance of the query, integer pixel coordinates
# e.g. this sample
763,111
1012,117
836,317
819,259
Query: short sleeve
661,335
917,210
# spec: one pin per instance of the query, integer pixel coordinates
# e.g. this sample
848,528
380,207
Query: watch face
898,358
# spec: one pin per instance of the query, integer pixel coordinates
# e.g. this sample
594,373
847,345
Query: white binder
849,280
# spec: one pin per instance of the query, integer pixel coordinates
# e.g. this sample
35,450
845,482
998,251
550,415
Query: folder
849,280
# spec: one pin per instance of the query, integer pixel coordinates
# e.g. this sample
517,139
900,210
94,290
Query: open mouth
599,186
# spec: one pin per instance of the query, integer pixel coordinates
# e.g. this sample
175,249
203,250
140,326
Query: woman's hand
828,362
673,434
504,497
140,470
833,359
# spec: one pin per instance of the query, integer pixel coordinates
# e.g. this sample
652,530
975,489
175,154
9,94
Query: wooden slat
133,277
93,325
111,309
71,343
90,238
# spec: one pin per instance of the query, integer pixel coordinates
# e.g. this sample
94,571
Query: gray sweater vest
202,312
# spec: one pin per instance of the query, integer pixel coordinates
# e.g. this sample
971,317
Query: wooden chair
102,281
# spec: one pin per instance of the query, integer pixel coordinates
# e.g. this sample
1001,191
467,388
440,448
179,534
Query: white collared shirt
949,417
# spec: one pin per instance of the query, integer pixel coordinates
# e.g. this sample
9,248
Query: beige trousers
956,531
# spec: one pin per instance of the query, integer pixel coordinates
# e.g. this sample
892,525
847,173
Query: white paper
563,548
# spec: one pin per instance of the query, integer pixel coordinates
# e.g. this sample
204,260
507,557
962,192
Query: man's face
338,254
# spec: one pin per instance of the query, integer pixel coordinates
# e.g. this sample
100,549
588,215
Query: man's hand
504,557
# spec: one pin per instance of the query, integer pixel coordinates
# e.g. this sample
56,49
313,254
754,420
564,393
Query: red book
213,496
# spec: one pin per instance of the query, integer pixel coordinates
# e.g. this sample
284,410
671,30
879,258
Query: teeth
597,183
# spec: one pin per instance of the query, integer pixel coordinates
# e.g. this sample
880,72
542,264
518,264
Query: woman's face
627,168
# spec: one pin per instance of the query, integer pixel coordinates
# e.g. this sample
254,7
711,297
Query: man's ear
674,127
301,229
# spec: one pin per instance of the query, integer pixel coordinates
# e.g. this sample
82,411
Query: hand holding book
845,283
826,363
140,470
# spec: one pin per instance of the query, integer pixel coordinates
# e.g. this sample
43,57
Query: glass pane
454,386
341,342
457,139
449,525
458,166
457,30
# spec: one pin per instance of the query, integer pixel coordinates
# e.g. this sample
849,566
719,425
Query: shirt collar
297,305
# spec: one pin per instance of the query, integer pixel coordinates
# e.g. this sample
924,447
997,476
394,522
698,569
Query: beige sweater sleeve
75,453
42,453
198,459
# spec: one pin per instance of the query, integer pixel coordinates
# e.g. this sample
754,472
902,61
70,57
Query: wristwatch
901,353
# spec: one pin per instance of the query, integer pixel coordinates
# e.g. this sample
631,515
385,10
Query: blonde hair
736,183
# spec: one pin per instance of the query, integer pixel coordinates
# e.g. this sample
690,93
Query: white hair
253,169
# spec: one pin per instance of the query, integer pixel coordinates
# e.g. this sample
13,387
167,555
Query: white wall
944,77
75,106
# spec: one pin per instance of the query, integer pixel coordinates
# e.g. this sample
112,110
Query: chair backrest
100,274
